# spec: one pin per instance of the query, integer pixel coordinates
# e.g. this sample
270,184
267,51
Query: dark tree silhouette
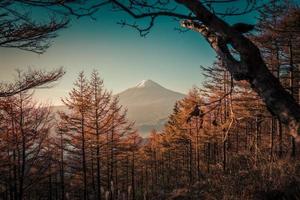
19,30
30,79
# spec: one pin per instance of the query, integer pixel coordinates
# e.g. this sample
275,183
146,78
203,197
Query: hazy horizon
59,102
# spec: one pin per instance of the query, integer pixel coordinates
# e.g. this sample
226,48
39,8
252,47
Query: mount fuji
149,105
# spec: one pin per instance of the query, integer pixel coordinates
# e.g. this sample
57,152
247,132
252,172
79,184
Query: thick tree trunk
251,66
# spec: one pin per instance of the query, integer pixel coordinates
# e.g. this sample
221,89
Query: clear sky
122,57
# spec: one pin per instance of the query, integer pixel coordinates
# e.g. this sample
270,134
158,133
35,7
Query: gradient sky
122,57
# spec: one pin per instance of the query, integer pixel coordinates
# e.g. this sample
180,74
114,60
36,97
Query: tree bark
250,67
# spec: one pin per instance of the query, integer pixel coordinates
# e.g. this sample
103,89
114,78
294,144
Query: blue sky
122,57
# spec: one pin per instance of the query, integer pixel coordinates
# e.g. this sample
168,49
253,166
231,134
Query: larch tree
78,103
91,137
26,141
118,130
98,122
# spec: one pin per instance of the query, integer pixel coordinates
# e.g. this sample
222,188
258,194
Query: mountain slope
149,104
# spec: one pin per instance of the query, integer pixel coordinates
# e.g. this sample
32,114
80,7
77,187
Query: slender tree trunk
225,137
237,142
133,175
15,176
99,197
93,171
246,136
14,161
224,151
9,184
273,129
85,194
62,172
293,88
127,176
23,156
56,185
112,164
197,149
108,161
280,139
256,139
146,179
208,157
10,163
155,167
21,185
116,185
191,157
50,184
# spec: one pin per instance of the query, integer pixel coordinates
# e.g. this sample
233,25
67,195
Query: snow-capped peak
146,83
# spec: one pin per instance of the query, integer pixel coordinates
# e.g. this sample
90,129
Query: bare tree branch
19,30
29,80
